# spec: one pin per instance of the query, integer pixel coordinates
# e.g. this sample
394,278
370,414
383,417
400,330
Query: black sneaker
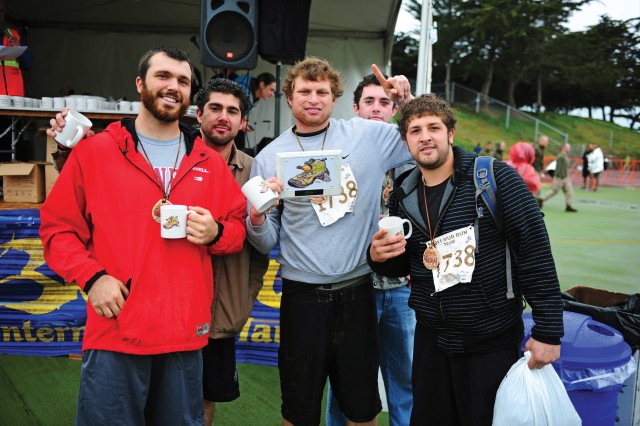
570,209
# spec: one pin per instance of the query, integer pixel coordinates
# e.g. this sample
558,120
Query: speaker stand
276,128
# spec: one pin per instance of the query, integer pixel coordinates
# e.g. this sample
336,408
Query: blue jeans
396,327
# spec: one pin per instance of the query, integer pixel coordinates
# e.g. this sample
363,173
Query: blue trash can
593,364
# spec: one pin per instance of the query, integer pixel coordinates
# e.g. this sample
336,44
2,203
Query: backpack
487,189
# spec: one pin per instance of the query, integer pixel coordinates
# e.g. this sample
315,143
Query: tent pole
423,80
276,127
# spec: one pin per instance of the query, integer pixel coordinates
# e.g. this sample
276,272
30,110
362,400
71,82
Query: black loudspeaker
283,29
228,33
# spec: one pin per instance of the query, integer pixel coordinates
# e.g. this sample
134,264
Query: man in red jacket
150,298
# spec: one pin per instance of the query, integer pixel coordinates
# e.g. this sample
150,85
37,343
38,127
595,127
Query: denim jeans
396,327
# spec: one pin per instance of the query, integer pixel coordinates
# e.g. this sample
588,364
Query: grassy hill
492,124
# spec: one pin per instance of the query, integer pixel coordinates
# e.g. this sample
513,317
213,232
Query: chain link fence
525,126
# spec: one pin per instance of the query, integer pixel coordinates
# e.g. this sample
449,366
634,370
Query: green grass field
596,247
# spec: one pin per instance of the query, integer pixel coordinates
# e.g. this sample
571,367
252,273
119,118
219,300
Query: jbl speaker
283,29
228,33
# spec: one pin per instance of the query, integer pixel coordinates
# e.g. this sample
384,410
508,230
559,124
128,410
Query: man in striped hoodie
469,326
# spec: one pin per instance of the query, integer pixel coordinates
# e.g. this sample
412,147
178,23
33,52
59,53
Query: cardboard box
23,182
50,176
52,146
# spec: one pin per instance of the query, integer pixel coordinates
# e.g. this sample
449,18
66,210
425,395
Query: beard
213,139
151,102
440,159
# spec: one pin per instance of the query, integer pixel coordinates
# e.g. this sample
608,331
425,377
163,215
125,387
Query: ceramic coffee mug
77,125
173,221
395,226
46,103
81,104
123,106
93,104
259,194
59,103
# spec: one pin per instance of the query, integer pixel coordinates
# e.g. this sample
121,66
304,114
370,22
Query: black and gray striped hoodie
478,316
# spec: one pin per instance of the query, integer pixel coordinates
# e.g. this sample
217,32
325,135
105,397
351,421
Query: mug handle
77,137
407,221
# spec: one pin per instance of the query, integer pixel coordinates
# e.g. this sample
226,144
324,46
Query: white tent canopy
93,46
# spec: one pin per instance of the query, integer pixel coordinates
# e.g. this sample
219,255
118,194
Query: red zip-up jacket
98,218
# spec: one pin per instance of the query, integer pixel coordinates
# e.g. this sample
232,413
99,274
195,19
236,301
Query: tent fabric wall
93,62
352,57
105,64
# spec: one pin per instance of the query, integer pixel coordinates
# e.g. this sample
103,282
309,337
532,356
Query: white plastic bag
533,397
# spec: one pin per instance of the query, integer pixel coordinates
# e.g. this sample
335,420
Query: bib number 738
459,257
457,261
348,191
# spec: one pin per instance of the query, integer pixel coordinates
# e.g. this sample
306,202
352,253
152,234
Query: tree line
520,52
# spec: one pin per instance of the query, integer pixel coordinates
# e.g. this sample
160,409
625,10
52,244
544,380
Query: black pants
458,390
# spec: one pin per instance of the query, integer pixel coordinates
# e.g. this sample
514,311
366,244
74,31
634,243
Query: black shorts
328,333
219,372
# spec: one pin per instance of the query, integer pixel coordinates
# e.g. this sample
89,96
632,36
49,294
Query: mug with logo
259,194
173,221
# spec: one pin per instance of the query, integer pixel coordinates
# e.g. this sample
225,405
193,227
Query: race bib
336,206
456,258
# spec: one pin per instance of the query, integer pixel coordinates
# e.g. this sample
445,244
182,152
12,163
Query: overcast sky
589,15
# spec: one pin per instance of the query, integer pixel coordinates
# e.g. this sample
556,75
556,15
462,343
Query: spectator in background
11,82
497,154
521,157
488,149
538,162
477,149
261,87
561,180
585,167
595,159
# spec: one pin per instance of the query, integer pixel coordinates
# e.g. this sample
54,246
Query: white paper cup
47,103
77,125
259,194
395,226
173,221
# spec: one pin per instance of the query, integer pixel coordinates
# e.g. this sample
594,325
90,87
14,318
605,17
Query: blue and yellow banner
42,315
260,338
